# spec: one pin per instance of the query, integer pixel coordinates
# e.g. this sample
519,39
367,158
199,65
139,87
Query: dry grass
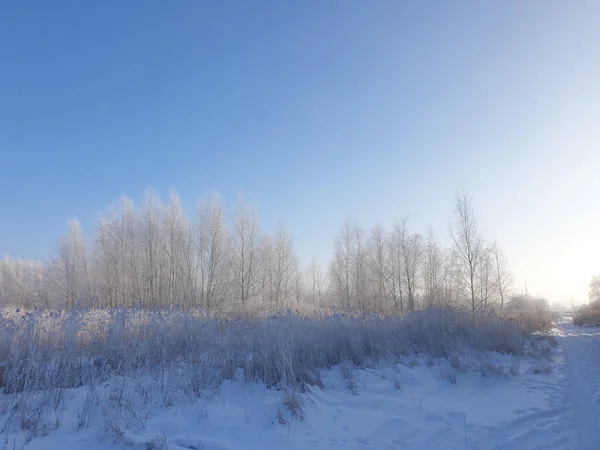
588,315
123,355
41,350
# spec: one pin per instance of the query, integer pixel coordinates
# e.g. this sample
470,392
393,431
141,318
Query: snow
411,404
582,352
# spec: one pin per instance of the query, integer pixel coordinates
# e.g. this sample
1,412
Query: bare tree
126,255
396,269
432,270
594,294
70,268
153,257
150,249
487,279
284,264
266,269
281,279
21,283
502,274
378,260
317,282
213,252
105,265
411,249
298,287
341,266
115,266
177,250
468,246
359,265
245,257
448,295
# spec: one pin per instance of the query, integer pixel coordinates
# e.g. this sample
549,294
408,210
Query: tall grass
47,350
588,315
126,359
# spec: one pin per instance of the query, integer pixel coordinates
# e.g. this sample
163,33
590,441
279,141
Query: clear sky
317,110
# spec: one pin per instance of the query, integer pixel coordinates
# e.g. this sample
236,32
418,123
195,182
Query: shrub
588,315
530,313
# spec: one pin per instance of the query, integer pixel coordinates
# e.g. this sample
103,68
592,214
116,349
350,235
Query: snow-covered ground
582,397
419,403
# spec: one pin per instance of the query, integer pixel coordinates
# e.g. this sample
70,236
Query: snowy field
409,405
472,399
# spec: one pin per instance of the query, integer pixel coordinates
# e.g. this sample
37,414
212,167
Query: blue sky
317,110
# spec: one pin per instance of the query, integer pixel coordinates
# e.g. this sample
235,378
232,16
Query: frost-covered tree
286,264
378,266
359,266
594,293
213,254
22,283
178,249
152,256
245,251
469,248
151,253
280,266
69,268
341,266
349,267
487,281
503,277
106,264
433,266
114,263
317,283
412,252
395,279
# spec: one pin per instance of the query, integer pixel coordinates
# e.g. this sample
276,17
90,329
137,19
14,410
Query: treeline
154,256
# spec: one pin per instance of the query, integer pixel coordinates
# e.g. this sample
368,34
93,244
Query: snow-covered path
582,353
571,419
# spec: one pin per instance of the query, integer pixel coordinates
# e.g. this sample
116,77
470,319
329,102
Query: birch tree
150,250
378,260
396,269
487,281
177,251
359,265
22,283
340,268
317,282
286,266
432,270
70,267
469,248
594,289
245,255
213,253
411,249
502,274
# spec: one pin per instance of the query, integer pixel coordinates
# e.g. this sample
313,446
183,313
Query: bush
588,315
530,313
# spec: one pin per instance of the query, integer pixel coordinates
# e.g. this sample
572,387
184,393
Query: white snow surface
410,405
